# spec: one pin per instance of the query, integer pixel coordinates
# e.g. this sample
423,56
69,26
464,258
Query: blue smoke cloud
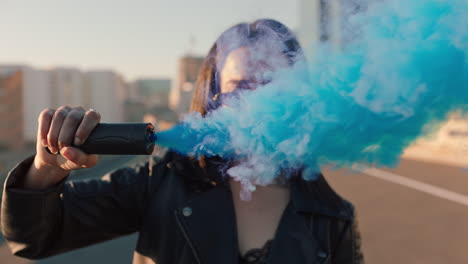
363,104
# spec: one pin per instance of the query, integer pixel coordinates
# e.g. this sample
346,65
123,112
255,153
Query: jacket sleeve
348,250
71,215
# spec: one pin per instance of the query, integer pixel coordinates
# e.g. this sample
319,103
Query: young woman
185,209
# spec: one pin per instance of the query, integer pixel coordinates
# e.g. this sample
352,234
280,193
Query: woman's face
247,68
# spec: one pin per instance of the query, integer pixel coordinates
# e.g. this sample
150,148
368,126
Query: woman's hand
58,130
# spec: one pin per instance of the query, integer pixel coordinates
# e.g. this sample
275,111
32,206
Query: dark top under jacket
180,218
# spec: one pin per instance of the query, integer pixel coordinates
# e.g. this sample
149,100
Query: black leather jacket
179,219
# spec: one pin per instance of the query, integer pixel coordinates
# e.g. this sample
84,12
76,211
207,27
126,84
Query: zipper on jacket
187,238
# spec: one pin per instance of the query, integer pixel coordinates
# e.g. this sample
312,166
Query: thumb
71,158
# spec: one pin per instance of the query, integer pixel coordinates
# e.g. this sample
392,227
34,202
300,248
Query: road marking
417,185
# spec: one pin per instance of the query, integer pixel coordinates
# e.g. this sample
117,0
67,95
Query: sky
138,38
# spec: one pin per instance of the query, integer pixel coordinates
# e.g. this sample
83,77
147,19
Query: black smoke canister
120,139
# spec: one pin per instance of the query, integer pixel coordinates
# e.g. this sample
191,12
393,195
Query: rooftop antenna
192,42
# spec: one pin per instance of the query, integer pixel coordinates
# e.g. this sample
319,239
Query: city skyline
26,91
135,38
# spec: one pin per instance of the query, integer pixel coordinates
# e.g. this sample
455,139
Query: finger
56,125
74,158
44,120
90,121
70,124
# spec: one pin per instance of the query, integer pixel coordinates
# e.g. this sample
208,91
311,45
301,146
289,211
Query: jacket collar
317,197
211,229
308,196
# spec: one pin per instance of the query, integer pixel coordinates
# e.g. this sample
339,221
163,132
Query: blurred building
182,91
66,86
153,92
36,96
134,111
103,90
132,91
11,110
326,21
106,92
149,102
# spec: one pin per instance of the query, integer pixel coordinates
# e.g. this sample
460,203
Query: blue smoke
362,105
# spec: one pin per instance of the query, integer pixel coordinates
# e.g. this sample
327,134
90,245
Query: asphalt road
401,224
417,214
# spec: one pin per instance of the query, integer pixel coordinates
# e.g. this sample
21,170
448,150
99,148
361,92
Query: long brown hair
246,34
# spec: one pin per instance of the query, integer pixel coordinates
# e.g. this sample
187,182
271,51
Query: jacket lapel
209,222
317,197
294,242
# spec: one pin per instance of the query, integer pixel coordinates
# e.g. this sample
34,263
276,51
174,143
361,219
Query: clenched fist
58,130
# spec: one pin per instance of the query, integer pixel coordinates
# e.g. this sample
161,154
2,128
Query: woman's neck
266,195
258,218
